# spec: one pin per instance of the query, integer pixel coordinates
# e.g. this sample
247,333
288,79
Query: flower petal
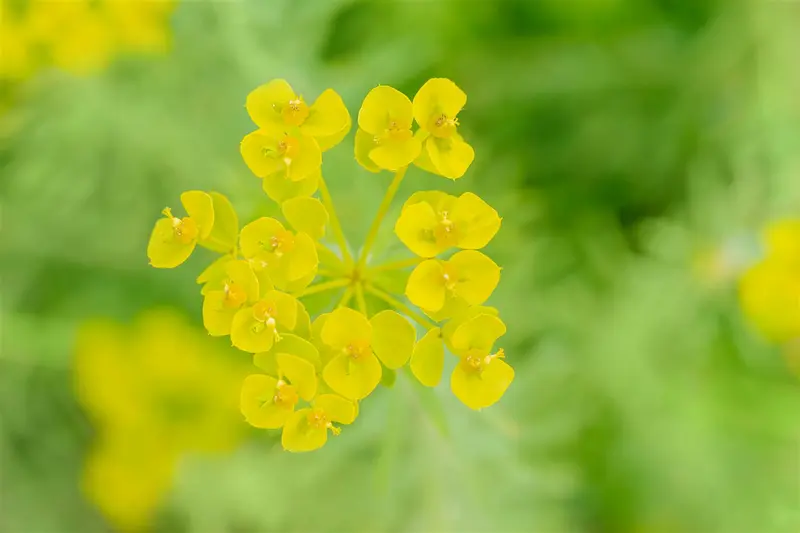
329,141
436,97
384,105
280,188
259,150
240,273
285,308
264,104
394,154
365,143
255,235
477,334
257,405
249,335
225,230
327,115
477,221
300,373
163,249
217,317
302,259
478,390
212,277
451,156
307,215
427,361
200,207
344,326
769,293
477,276
299,436
462,316
438,200
307,161
393,338
415,228
336,408
426,285
298,346
353,378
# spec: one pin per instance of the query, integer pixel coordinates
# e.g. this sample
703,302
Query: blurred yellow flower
436,108
384,139
156,390
431,222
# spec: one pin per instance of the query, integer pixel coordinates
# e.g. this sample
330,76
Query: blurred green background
634,148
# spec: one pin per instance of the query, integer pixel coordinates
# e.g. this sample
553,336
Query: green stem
360,300
348,295
382,210
338,234
397,265
321,287
401,307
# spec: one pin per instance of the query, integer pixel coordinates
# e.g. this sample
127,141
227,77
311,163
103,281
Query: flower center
393,132
357,349
445,233
289,149
317,419
443,126
477,362
295,112
285,395
449,277
235,295
184,229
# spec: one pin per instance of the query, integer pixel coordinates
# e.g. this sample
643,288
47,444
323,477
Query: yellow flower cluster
155,391
769,291
315,373
79,36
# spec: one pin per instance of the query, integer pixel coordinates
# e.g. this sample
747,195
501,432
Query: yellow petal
344,326
212,277
200,206
299,436
240,273
307,215
326,353
267,362
393,338
257,234
285,308
280,188
769,293
336,408
423,161
264,104
298,346
308,159
427,361
163,249
300,373
365,143
451,156
415,228
481,389
249,335
782,240
476,221
327,116
217,317
382,106
437,97
477,276
453,305
439,201
329,141
394,154
259,150
462,316
426,285
302,259
477,334
303,326
353,378
257,405
225,231
299,284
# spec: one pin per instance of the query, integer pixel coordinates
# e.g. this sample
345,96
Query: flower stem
322,287
401,307
382,210
398,265
338,234
348,295
362,302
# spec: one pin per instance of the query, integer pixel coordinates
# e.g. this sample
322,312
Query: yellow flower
17,45
85,42
468,275
436,106
769,293
279,154
255,328
427,361
267,401
432,222
481,377
140,26
384,139
173,239
275,106
307,429
782,241
239,287
282,255
359,346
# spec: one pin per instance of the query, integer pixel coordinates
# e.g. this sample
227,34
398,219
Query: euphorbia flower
255,328
238,287
173,239
468,275
436,106
307,429
481,377
275,106
358,344
384,139
432,222
279,253
276,154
